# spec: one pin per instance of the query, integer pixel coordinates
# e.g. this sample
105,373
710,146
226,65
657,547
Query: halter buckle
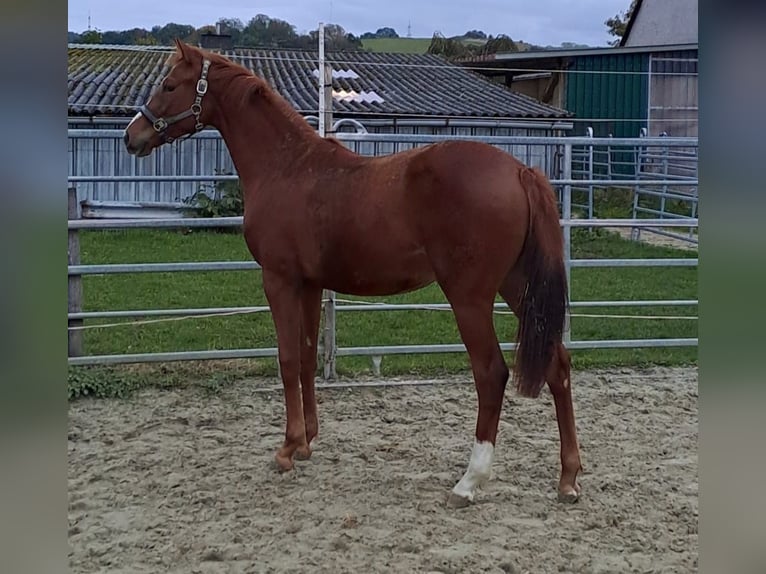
202,86
160,125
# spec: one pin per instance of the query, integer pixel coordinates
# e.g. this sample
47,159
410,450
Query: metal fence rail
665,192
595,163
661,178
565,183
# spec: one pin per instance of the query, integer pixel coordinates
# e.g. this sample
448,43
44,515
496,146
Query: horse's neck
262,136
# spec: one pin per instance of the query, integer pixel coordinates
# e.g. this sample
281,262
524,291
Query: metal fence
562,147
99,151
661,168
666,177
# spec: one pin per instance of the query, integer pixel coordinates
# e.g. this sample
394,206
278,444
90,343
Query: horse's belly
377,276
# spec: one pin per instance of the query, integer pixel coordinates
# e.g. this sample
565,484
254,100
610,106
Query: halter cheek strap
161,125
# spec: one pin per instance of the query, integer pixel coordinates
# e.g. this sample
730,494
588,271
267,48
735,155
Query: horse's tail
544,302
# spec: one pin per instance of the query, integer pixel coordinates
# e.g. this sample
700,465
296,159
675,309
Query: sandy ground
183,481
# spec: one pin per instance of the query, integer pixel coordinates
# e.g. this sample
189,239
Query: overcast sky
536,21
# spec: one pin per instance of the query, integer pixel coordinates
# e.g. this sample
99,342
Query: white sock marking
479,469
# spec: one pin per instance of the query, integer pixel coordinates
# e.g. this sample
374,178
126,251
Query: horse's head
177,106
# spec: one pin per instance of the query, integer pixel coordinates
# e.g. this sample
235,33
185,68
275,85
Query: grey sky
536,21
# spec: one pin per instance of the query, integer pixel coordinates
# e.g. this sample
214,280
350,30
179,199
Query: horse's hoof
457,500
284,463
568,495
303,452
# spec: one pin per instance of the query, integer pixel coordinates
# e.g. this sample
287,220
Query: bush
101,383
225,200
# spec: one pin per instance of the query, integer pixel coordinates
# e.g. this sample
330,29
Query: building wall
537,86
198,155
673,94
608,93
664,22
655,92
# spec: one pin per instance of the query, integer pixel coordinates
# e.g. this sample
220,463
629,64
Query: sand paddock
183,481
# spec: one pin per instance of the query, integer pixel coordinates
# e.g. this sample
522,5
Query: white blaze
138,115
478,472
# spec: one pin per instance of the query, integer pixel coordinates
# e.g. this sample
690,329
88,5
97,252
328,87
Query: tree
165,35
91,37
386,33
335,38
269,32
233,27
380,33
618,23
475,35
457,48
448,47
499,43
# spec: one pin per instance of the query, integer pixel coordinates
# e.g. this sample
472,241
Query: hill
420,45
397,45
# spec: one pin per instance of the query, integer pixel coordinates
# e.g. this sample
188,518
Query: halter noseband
161,125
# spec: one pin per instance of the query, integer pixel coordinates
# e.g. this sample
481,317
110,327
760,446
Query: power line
404,115
236,56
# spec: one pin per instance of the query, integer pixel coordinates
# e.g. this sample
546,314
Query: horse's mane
250,84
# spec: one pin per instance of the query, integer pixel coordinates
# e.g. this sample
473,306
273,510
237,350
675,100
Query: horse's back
468,180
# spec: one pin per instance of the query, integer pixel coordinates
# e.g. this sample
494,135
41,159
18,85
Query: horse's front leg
283,294
311,311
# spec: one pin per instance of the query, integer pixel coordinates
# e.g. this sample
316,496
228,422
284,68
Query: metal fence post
75,281
566,215
665,173
589,134
635,232
325,123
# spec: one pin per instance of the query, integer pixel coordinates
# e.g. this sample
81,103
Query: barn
647,84
385,93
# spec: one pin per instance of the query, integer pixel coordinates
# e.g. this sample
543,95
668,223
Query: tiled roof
112,80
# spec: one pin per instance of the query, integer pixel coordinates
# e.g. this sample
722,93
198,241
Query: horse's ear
183,50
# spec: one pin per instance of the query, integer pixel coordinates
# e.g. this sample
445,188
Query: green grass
397,45
617,202
415,45
243,288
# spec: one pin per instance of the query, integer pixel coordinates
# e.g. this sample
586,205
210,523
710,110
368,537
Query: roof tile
114,80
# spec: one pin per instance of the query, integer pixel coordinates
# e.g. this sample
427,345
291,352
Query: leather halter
161,125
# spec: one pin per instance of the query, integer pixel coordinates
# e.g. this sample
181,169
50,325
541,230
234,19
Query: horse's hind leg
558,378
490,375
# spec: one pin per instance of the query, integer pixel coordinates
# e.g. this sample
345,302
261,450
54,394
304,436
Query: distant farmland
398,45
413,45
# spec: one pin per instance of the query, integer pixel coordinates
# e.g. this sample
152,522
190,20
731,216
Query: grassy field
397,45
243,288
414,45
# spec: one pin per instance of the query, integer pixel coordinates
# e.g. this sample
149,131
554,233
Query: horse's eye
168,87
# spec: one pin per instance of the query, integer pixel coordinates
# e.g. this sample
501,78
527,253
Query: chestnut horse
318,216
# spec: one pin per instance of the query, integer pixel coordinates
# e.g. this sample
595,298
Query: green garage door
612,90
610,94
